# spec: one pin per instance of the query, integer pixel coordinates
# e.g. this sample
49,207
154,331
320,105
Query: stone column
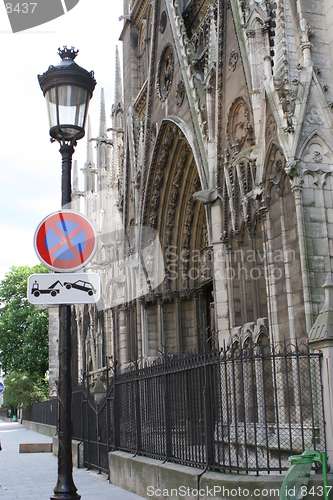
108,334
230,284
251,34
305,42
321,340
161,340
287,272
297,190
178,312
144,329
210,112
271,287
123,338
254,276
241,277
221,296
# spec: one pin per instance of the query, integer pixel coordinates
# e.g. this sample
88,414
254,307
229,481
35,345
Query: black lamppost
68,89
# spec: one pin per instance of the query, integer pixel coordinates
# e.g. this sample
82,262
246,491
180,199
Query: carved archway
242,235
182,303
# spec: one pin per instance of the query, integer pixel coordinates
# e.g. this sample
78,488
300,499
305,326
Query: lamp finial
66,53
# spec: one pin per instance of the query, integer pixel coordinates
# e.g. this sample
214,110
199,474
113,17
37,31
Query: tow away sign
64,288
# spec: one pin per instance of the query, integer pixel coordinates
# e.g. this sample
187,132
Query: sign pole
65,487
67,118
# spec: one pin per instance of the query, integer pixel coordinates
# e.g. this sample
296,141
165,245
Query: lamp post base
65,488
65,496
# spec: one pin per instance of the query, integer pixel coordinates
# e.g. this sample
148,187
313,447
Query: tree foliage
23,327
23,389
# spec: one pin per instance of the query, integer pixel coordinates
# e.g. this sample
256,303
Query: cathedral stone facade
219,145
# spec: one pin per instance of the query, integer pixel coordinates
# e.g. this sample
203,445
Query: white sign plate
64,288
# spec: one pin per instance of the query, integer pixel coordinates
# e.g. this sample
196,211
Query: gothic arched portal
176,313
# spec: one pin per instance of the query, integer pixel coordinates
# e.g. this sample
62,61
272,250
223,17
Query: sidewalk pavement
33,476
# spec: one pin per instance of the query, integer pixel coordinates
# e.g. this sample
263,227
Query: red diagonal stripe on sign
65,239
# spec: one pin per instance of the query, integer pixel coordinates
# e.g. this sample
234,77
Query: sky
30,166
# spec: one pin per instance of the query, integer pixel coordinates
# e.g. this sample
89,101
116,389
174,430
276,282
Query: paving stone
34,475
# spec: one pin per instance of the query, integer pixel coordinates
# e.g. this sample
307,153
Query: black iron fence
231,410
4,413
45,412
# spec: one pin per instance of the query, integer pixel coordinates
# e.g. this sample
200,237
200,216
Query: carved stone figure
313,117
173,197
153,219
233,60
180,93
155,201
158,178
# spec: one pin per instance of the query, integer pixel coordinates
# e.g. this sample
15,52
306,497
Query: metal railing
45,412
241,410
3,412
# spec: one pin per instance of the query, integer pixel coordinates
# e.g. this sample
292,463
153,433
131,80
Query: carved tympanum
239,128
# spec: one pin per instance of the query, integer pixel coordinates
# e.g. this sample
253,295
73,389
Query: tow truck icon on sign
36,291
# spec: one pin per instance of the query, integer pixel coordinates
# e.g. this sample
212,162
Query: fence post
98,439
137,407
107,407
115,410
168,441
207,403
88,441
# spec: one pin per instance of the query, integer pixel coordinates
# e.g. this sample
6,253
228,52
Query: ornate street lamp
68,89
98,390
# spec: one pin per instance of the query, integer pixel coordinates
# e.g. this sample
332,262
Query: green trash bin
294,486
14,418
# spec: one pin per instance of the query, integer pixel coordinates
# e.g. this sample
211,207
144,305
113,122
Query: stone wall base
47,430
77,451
156,479
51,430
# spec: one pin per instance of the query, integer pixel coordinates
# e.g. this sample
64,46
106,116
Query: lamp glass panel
72,104
51,107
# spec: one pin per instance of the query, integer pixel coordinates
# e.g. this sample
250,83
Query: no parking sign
65,241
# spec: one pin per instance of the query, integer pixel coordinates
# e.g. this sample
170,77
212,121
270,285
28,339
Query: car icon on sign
84,286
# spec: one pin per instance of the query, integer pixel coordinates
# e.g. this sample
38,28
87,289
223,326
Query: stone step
35,448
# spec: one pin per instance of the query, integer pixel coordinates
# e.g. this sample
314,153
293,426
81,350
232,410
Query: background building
220,142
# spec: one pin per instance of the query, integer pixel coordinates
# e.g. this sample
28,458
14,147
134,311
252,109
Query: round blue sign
65,241
2,387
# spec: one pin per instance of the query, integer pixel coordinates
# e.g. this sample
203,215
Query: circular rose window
165,73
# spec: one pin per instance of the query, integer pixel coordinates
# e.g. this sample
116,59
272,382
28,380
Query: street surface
32,476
